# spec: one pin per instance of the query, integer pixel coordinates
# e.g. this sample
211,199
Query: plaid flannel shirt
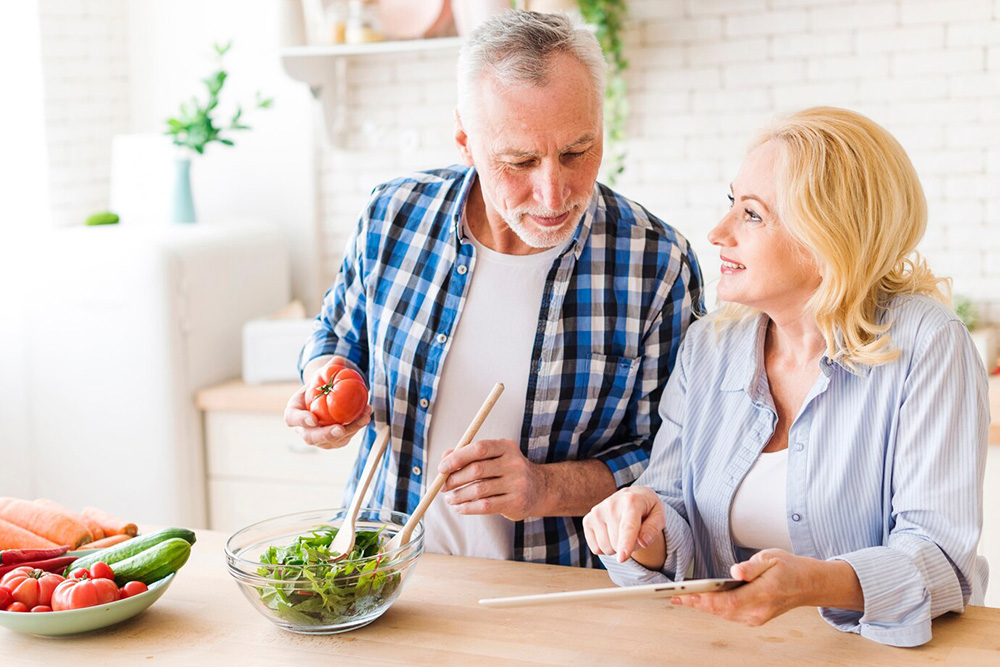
615,305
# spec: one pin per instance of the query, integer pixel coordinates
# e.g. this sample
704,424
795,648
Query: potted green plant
194,128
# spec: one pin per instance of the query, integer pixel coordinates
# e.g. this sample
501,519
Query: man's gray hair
516,46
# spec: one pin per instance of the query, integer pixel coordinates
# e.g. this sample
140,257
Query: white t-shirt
758,517
491,343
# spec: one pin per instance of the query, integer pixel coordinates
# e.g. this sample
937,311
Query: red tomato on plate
80,593
338,395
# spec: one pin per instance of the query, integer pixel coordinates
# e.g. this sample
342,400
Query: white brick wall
704,74
84,64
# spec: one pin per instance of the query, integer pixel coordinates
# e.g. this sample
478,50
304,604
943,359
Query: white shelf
372,48
324,68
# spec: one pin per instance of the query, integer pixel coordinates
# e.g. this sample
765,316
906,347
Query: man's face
537,150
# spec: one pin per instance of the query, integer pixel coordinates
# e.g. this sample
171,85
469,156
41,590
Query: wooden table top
203,618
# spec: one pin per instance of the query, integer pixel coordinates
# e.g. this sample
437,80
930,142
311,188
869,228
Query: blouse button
416,470
441,338
424,402
462,269
796,517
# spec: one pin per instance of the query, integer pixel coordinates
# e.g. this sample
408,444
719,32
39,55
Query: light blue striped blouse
885,467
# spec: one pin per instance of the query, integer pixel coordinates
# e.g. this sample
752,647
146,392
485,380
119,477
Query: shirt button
416,470
424,402
462,269
799,446
441,338
796,517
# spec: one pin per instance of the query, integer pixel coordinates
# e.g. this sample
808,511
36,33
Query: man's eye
574,154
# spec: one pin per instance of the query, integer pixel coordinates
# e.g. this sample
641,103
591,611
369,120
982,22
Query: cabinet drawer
255,445
235,504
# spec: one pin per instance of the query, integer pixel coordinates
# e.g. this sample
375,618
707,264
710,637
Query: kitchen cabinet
437,620
256,466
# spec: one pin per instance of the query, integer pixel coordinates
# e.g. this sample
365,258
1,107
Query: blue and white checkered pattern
614,308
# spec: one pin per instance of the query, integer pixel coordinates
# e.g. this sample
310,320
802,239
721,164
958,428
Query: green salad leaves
318,591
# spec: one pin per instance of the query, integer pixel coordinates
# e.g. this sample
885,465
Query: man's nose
552,188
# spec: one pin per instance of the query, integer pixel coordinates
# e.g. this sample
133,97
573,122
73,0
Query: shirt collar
745,370
578,240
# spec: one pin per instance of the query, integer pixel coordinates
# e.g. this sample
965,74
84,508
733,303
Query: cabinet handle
302,448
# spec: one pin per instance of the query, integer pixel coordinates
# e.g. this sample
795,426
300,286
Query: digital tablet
669,589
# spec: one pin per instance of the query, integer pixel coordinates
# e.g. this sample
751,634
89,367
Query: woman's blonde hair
849,194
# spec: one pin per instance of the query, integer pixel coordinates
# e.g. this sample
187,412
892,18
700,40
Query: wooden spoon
344,541
403,536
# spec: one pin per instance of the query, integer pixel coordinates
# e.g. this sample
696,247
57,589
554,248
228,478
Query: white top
758,516
492,342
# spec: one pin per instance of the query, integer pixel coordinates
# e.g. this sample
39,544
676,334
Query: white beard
541,237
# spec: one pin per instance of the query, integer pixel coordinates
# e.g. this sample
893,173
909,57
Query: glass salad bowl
284,569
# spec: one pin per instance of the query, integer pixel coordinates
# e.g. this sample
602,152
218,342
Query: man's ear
462,141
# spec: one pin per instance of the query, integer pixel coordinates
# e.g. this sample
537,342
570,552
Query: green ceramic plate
58,623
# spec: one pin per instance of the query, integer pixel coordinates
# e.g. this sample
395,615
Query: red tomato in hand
338,395
80,593
101,570
133,588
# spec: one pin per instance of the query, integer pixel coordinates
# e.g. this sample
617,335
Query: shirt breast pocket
604,387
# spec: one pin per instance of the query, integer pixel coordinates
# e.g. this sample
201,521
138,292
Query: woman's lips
730,266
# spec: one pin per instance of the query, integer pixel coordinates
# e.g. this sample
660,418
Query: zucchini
129,548
154,563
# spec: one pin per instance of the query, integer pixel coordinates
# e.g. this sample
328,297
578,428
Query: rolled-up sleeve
928,565
341,326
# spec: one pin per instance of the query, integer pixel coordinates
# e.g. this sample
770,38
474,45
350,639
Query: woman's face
762,265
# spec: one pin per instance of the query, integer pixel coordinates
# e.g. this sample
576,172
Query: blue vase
183,202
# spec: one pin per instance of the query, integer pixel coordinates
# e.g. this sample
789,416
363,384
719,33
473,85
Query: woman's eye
731,201
751,216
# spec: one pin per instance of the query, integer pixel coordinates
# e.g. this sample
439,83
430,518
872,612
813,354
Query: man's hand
493,477
298,417
630,524
780,581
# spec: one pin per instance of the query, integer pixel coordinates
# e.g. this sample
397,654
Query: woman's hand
777,582
628,523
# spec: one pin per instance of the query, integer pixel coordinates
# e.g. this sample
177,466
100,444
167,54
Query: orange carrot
96,532
15,537
111,524
53,526
109,541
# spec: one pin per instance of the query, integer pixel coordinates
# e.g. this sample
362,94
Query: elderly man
517,268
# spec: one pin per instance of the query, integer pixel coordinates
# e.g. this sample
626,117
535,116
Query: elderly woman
824,434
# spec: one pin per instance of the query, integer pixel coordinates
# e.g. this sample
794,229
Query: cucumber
154,563
129,548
